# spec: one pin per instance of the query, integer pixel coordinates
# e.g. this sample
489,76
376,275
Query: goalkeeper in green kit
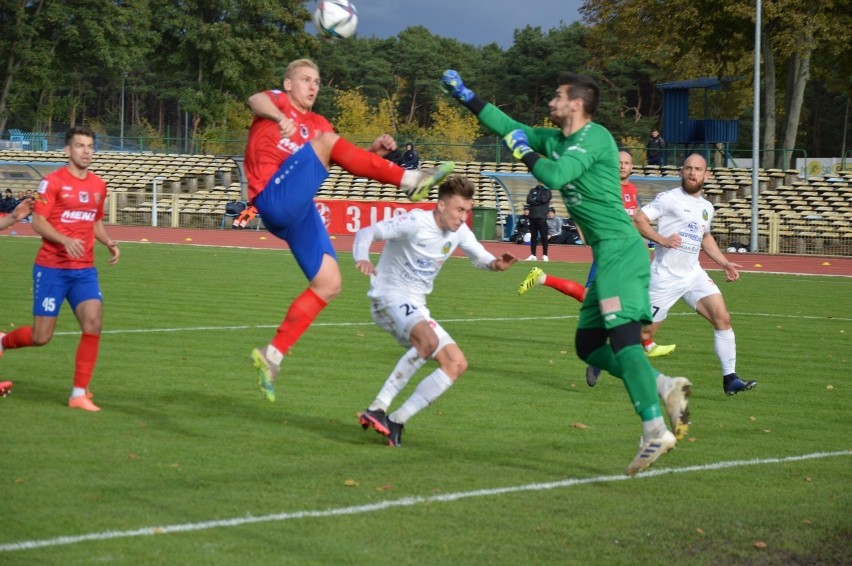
580,159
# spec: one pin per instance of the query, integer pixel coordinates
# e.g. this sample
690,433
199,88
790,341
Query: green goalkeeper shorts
619,292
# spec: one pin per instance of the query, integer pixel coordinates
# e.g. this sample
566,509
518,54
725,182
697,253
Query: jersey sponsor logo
424,262
286,144
73,216
692,226
42,187
610,305
67,188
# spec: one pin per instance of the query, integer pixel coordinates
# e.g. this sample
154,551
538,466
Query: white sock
432,387
726,349
651,346
655,428
410,178
77,392
274,355
406,367
664,383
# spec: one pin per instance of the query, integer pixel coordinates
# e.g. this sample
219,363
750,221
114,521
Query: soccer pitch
518,463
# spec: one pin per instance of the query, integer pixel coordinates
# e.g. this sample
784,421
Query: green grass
184,437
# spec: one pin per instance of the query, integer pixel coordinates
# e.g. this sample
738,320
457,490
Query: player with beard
683,220
68,215
579,158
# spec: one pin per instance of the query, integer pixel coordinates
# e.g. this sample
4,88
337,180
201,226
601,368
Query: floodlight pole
121,137
755,141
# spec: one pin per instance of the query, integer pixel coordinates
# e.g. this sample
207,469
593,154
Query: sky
478,22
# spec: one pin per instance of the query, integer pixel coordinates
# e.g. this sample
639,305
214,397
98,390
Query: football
335,19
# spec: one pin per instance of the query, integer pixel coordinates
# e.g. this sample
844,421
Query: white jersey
689,216
415,250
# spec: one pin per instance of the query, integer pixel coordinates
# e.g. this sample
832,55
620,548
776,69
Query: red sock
566,287
300,315
19,338
648,342
87,355
363,163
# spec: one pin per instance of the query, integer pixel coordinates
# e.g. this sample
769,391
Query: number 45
49,304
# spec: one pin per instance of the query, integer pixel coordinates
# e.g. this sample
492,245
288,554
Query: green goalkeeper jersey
583,167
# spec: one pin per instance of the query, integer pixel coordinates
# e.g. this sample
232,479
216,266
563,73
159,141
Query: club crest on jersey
303,131
446,249
704,214
571,196
83,196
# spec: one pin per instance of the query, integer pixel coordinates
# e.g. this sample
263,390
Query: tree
718,42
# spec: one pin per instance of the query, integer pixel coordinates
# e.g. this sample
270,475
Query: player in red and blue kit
289,152
68,215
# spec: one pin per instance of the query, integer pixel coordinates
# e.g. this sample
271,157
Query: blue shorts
52,285
287,207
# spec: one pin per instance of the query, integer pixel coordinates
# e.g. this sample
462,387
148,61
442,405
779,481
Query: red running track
811,265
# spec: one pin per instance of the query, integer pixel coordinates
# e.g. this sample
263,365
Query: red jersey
72,206
266,151
630,196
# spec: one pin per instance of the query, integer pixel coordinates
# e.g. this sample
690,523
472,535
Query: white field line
404,502
443,320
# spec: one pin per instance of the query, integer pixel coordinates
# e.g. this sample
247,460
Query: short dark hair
78,131
551,209
582,86
456,185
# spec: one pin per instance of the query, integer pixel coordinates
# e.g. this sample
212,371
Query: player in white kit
683,219
417,244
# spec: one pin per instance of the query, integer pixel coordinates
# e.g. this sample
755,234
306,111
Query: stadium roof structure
708,83
515,187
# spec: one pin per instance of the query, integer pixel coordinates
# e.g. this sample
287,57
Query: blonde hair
291,68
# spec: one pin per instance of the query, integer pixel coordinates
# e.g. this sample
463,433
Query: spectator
522,227
395,157
538,198
656,149
554,226
21,211
410,159
9,202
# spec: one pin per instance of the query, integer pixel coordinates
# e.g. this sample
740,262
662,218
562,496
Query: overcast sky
478,22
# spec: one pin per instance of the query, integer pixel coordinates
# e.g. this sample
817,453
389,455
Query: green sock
640,381
605,359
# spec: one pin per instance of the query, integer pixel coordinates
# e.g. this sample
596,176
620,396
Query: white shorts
665,290
398,319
